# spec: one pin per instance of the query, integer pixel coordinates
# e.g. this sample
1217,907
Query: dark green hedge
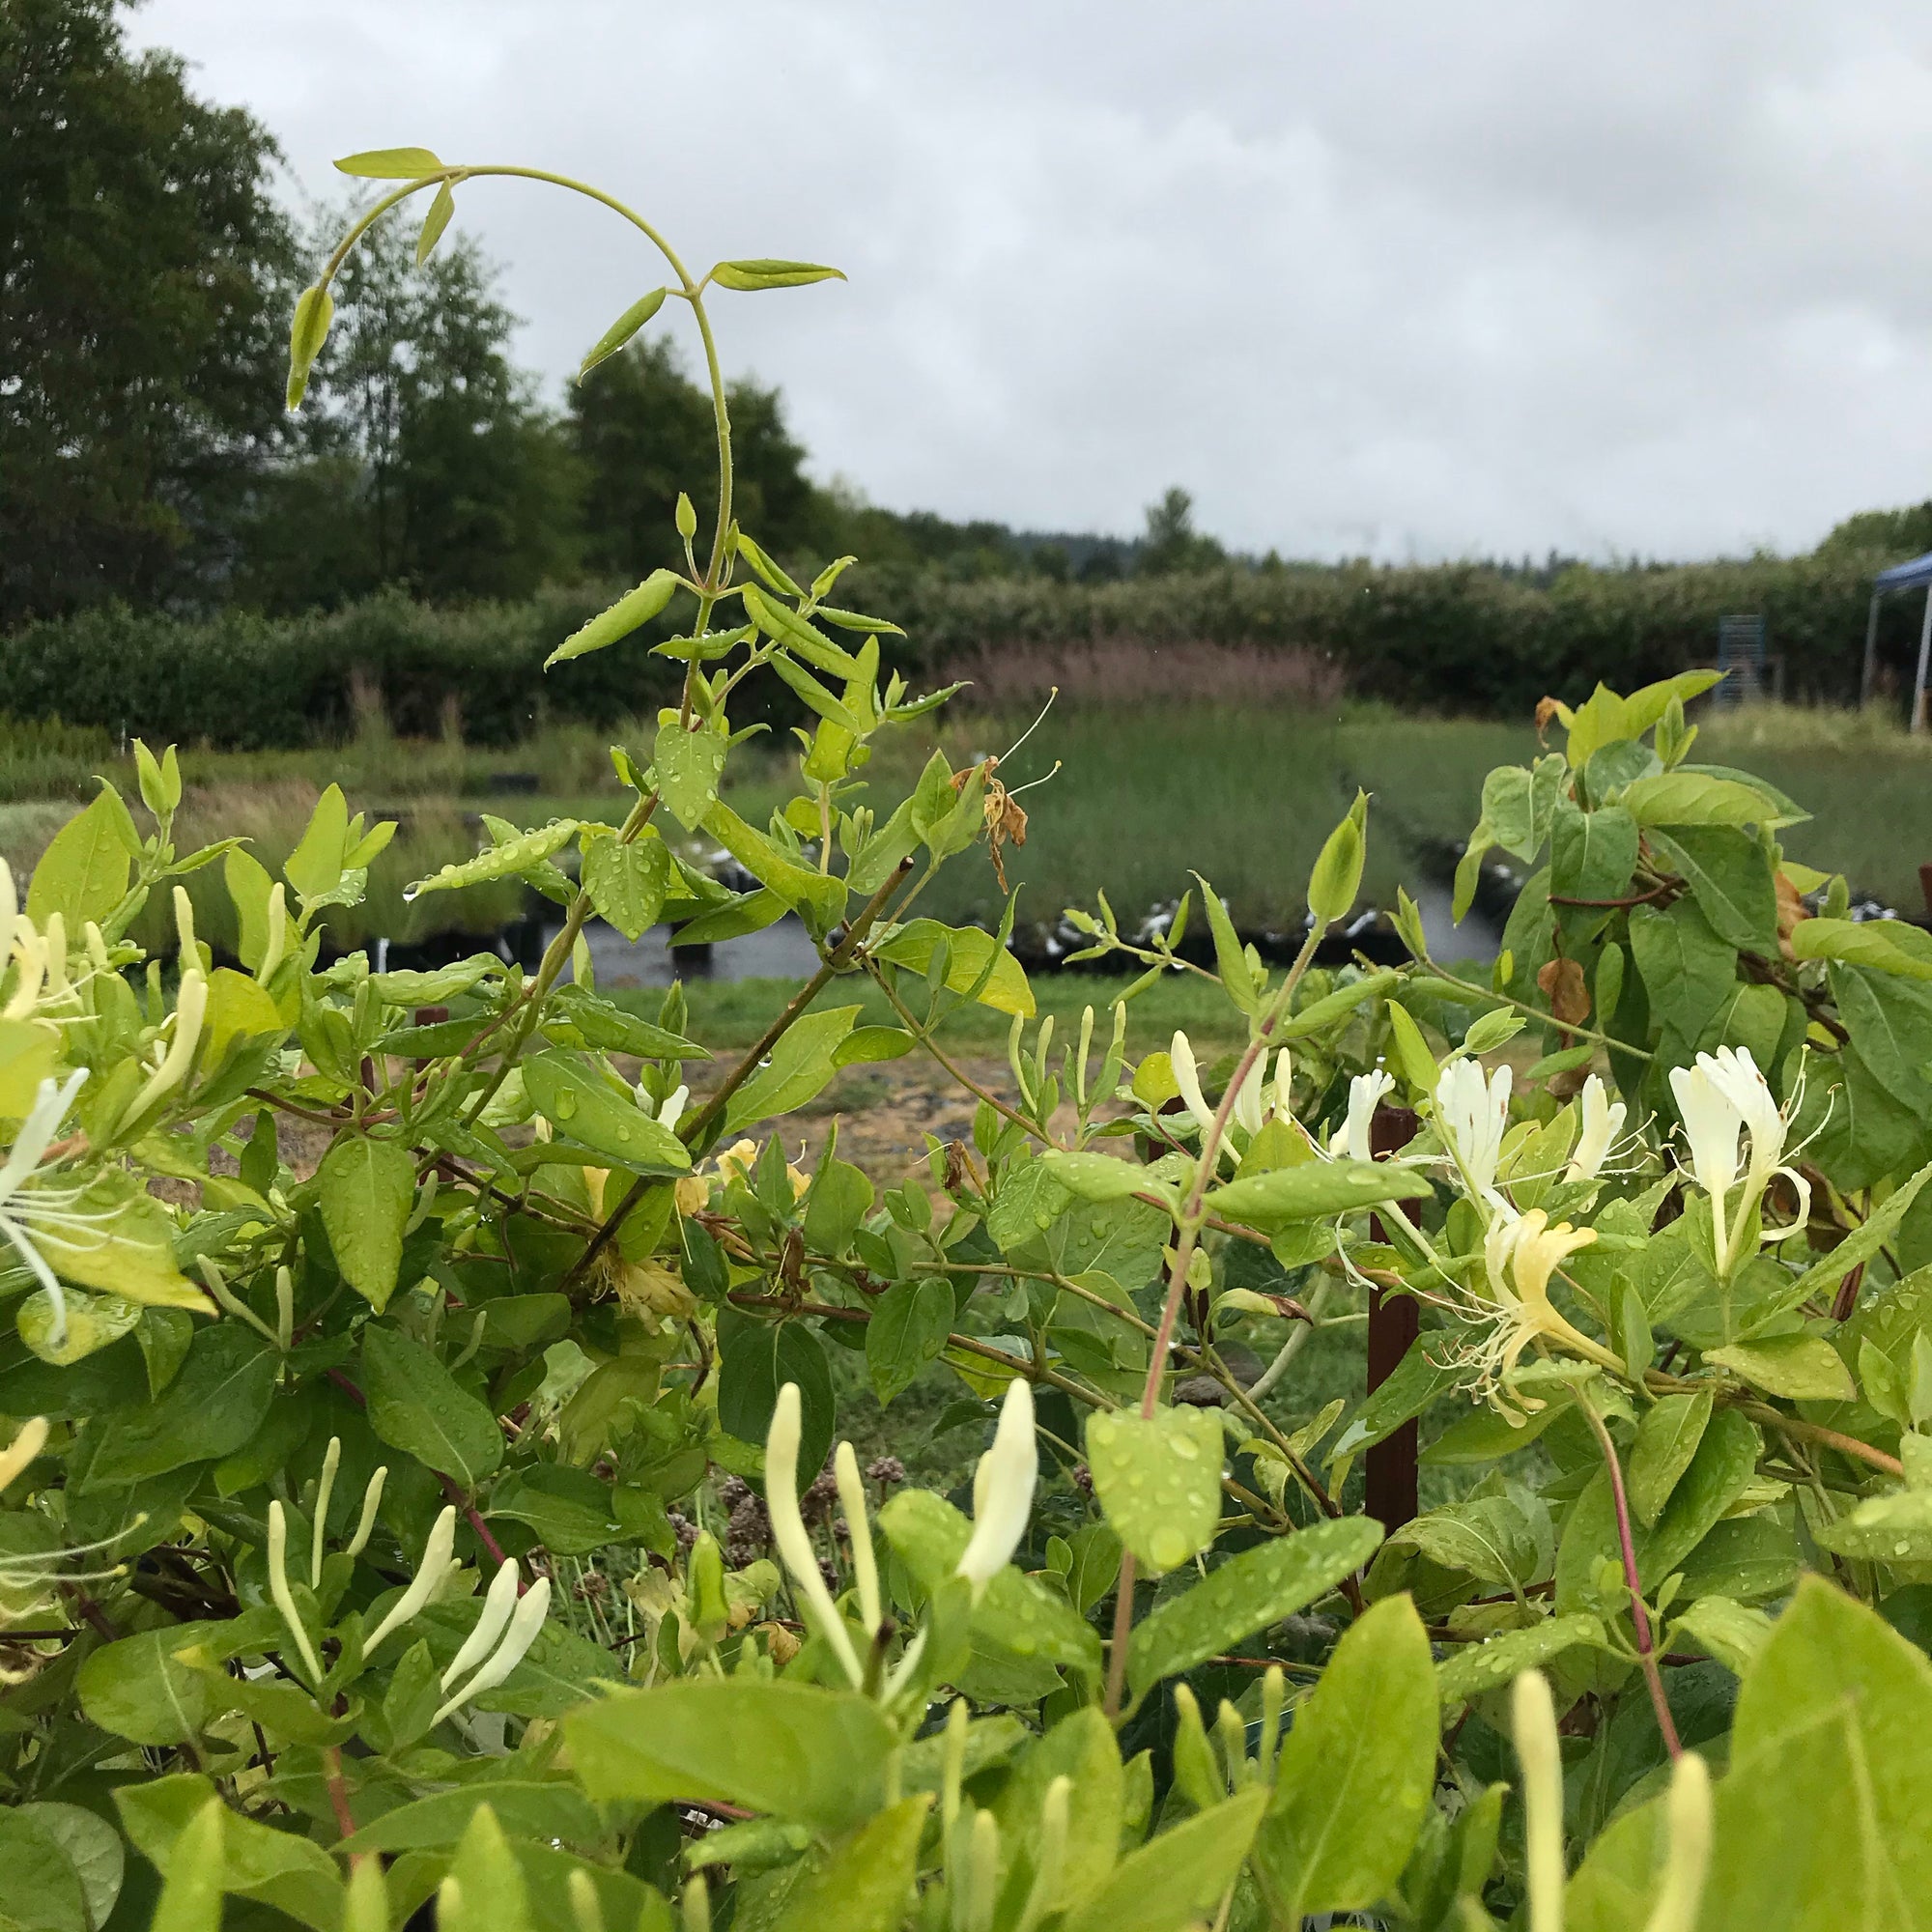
1452,638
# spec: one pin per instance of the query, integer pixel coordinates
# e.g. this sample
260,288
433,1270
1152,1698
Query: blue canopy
1903,576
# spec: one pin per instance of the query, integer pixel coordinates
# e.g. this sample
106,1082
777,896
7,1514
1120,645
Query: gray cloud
1400,277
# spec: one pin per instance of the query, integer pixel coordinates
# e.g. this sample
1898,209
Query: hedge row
1452,638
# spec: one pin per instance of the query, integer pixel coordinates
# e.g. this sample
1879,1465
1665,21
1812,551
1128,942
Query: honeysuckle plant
444,1511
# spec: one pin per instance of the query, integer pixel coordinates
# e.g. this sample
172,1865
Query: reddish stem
1639,1614
338,1790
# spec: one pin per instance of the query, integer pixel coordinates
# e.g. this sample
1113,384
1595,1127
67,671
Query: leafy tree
428,460
1171,544
643,432
1893,534
144,272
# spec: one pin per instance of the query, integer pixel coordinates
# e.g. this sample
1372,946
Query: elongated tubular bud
865,1560
1689,1859
24,1447
1274,1698
190,1007
331,1461
285,1307
982,1872
1051,1851
790,1533
951,1775
278,1589
497,1605
1541,1755
372,1501
278,934
438,1553
525,1621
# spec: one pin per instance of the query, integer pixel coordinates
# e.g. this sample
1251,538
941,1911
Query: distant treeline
1460,638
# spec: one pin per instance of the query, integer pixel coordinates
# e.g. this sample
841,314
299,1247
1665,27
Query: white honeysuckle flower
1003,1486
793,1540
1603,1122
672,1110
279,1591
1281,1106
25,1209
1188,1077
1352,1139
1721,1096
526,1624
439,1558
1472,1115
1520,1254
499,1602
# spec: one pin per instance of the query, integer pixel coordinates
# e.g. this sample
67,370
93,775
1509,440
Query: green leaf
92,1847
390,165
790,1750
367,1188
1231,960
417,1405
138,1689
1836,1703
522,1806
866,1046
638,605
971,951
1414,1382
1894,1528
1890,1023
216,1402
1688,971
1803,1368
314,869
190,1900
1729,875
1693,798
441,209
1473,1668
800,1066
1356,1771
778,620
1864,1240
308,331
513,859
1717,1474
1159,1479
39,1888
1245,1594
1592,854
1666,1439
1884,945
626,883
83,873
621,331
755,1361
1178,1878
1731,1632
909,1327
587,1112
1081,1749
1315,1190
816,895
761,274
864,1881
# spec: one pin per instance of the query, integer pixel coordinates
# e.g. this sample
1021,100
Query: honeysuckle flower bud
372,1501
1471,1115
331,1461
1281,1105
1352,1139
1688,1861
1188,1078
1540,1754
1003,1486
790,1533
672,1110
1721,1096
439,1558
278,1589
498,1602
1602,1123
190,954
190,1008
1248,1098
858,1524
276,948
527,1621
21,1451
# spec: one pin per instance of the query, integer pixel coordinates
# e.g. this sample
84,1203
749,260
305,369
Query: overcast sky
1394,276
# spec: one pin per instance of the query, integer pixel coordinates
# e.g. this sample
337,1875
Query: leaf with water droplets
1159,1479
587,1111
